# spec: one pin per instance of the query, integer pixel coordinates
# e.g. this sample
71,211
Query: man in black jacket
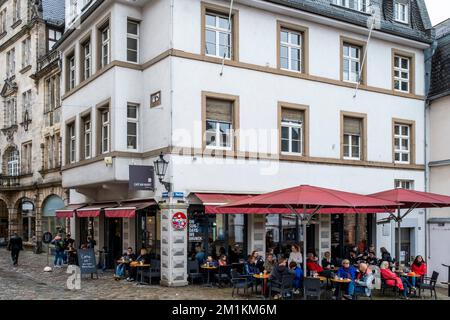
15,245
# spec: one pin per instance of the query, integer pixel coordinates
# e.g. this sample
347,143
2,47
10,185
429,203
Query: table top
123,261
263,276
142,265
208,267
319,277
410,275
341,281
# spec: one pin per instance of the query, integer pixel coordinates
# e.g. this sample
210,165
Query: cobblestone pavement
28,281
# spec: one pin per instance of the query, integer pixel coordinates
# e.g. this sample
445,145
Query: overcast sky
439,10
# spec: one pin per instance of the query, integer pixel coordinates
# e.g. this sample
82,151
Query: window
71,137
352,138
86,61
53,37
132,126
51,102
3,21
52,152
105,46
71,69
27,159
218,36
359,5
402,143
16,11
292,131
73,9
13,162
10,113
105,130
404,184
401,12
351,62
132,41
10,63
403,72
219,124
87,137
26,106
291,50
26,52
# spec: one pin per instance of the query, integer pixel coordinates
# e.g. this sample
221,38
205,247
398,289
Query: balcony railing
9,181
48,59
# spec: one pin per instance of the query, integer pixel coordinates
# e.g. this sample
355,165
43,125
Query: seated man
124,265
363,283
298,280
278,272
250,267
372,259
391,279
144,257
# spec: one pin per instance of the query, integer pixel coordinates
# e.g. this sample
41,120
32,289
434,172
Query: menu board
195,231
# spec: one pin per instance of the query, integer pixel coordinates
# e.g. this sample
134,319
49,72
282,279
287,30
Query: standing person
296,255
68,241
15,246
91,243
58,242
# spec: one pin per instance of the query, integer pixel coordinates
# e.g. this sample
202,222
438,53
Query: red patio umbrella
306,201
410,200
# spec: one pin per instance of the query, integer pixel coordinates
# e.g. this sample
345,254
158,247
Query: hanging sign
179,221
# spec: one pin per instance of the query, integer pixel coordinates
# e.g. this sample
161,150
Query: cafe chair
155,269
285,287
194,272
385,286
312,287
240,282
429,284
223,275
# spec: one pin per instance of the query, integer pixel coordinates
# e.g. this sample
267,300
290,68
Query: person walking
58,242
15,246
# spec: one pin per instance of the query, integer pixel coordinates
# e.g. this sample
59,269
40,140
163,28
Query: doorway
113,240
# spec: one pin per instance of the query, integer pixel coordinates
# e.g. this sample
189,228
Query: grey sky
439,10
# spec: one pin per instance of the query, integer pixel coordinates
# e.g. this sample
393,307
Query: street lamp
161,166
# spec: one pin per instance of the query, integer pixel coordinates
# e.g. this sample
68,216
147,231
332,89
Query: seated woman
372,259
269,263
392,279
346,271
250,267
211,262
312,265
328,263
419,267
298,280
223,261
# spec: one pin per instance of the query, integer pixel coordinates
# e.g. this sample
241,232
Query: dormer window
401,12
358,5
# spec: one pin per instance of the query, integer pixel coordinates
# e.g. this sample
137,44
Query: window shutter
352,126
291,115
219,110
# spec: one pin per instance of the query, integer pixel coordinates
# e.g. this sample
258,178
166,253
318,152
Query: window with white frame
292,131
402,73
132,126
359,5
219,124
404,184
10,63
352,138
26,52
26,106
402,143
291,50
3,21
87,60
132,41
13,162
26,160
10,113
16,10
105,46
53,37
351,62
218,36
72,70
401,12
105,130
72,142
87,137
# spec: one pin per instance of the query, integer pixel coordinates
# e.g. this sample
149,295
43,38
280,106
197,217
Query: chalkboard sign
86,261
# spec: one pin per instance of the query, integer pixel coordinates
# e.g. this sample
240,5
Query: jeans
351,288
406,285
59,258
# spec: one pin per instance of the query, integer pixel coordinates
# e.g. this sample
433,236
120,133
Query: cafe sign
141,178
179,221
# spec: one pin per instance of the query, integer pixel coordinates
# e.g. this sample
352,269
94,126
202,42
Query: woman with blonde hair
296,255
393,280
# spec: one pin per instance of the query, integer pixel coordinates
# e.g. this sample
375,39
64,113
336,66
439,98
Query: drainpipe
171,90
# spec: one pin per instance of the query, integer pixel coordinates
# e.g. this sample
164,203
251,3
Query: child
298,280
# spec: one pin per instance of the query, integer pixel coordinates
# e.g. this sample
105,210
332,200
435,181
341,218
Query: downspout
428,55
171,90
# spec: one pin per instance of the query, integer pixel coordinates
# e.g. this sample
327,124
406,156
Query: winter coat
420,270
391,279
347,273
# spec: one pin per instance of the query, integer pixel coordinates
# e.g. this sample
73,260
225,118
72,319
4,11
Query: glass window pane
210,20
285,132
210,125
405,130
295,133
284,52
397,129
132,28
132,112
296,146
285,145
131,56
346,50
397,85
132,44
224,39
405,86
405,63
132,128
404,144
346,139
295,39
225,51
284,63
210,36
397,156
210,138
223,23
295,65
346,151
396,73
355,152
295,54
210,48
405,157
284,36
404,75
131,142
396,62
397,143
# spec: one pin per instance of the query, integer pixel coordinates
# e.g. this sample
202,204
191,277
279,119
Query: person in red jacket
312,264
392,279
419,267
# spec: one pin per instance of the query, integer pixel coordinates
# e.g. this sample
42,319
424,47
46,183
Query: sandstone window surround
52,100
404,184
11,63
27,159
10,112
26,106
26,52
86,136
103,44
353,136
292,47
71,141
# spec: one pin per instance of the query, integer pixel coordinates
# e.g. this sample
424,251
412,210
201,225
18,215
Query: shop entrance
148,224
113,240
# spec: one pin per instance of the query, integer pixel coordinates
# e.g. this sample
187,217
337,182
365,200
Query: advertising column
174,237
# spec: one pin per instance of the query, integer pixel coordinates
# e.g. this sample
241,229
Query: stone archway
4,221
25,218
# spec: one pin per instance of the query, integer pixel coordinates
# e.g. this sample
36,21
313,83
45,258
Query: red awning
128,209
93,210
413,198
212,200
69,211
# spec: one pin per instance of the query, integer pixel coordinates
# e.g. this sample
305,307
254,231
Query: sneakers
348,297
296,291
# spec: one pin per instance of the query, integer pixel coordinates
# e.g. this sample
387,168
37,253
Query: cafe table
208,269
341,283
263,277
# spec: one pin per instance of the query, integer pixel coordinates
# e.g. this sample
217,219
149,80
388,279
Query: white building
146,77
